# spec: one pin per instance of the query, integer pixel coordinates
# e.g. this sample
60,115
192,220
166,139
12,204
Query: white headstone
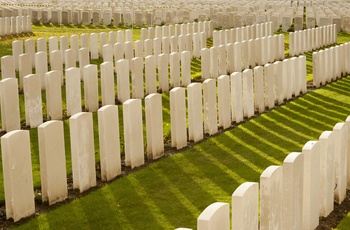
133,133
178,118
236,97
82,151
10,115
210,106
215,216
91,88
123,80
224,101
32,100
8,67
107,83
195,112
53,95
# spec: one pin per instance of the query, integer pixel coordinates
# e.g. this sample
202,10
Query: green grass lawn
172,192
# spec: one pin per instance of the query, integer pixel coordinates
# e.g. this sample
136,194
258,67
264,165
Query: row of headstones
18,180
20,202
292,196
177,30
32,84
223,37
304,41
330,64
327,15
15,25
235,57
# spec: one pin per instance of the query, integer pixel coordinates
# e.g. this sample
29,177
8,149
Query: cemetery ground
173,191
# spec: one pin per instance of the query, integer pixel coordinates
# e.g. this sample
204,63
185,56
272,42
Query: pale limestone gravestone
174,60
18,178
221,51
56,62
13,26
129,50
185,68
181,43
279,81
53,44
165,45
202,40
63,46
84,59
144,34
52,162
173,44
214,62
91,88
195,111
248,93
133,133
107,17
258,50
196,45
245,55
210,106
205,63
66,17
32,100
29,47
157,48
215,216
103,41
84,41
139,48
287,78
74,44
70,58
94,46
107,83
292,199
154,126
56,17
269,85
163,73
96,18
2,26
258,82
302,74
86,19
236,97
76,17
136,68
340,161
53,95
10,113
123,80
117,18
7,26
251,53
237,53
107,51
108,132
245,206
139,18
8,67
150,74
327,183
82,151
17,49
73,91
148,47
271,181
41,45
178,118
25,67
224,101
311,198
118,51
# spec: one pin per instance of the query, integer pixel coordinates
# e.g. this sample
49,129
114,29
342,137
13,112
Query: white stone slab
214,62
133,133
107,51
210,106
52,162
41,45
91,88
245,206
73,91
311,187
136,68
215,216
195,111
32,100
25,67
70,58
10,116
53,95
150,74
224,103
41,66
185,68
82,151
178,118
340,161
248,93
56,62
154,126
237,49
293,172
29,47
8,67
108,132
174,59
123,80
271,181
163,72
17,171
107,83
17,49
205,63
258,82
236,97
94,46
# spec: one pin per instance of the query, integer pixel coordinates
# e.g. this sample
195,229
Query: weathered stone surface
215,216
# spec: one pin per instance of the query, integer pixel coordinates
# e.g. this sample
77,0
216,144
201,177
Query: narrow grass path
172,192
